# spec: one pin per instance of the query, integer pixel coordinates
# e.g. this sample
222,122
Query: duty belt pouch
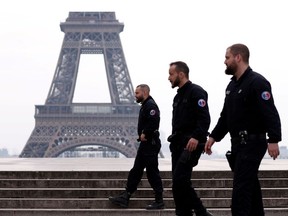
174,140
231,159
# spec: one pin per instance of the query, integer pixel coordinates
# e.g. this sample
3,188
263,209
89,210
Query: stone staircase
85,193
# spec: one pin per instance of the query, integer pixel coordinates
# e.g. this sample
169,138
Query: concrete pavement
116,164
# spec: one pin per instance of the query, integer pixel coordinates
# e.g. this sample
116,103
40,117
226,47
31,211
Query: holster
156,138
178,142
231,159
192,157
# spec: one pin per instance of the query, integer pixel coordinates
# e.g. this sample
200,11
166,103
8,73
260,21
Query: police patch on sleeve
266,95
152,112
201,103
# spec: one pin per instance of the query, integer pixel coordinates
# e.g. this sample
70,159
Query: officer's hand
192,144
142,137
208,145
273,150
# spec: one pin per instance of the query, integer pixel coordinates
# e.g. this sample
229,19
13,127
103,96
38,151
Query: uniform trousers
147,157
185,196
246,194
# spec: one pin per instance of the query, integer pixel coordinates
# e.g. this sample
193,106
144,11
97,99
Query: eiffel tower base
70,127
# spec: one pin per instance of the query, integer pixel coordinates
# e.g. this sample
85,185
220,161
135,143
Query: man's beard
231,70
139,100
176,82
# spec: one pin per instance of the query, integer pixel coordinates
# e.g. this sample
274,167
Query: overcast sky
155,34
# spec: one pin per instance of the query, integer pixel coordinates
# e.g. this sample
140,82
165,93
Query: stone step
100,174
103,203
85,193
106,192
121,212
110,183
197,174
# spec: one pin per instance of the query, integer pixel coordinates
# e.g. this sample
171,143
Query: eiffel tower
63,126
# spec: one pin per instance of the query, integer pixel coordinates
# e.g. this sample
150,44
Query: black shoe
155,205
121,200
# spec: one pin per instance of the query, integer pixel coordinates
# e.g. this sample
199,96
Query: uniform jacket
190,112
149,118
249,105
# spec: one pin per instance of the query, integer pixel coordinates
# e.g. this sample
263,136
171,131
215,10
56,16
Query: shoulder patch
152,112
201,103
266,95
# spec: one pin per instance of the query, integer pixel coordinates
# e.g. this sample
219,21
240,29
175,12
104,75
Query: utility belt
178,135
239,142
178,141
154,139
244,136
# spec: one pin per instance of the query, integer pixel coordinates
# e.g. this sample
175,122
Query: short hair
144,87
181,66
242,50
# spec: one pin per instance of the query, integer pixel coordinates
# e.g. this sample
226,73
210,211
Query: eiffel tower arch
60,124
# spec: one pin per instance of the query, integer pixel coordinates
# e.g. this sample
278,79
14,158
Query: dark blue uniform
191,118
249,114
147,154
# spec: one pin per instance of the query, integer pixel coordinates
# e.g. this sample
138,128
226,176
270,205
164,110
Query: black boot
157,204
121,200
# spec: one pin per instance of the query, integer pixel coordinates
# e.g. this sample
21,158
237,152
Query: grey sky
155,33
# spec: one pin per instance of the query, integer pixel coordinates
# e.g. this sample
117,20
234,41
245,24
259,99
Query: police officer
147,154
190,124
248,115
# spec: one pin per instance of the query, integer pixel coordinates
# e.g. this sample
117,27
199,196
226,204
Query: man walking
248,114
190,124
147,154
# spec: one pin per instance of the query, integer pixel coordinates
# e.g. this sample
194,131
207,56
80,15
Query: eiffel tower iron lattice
62,125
